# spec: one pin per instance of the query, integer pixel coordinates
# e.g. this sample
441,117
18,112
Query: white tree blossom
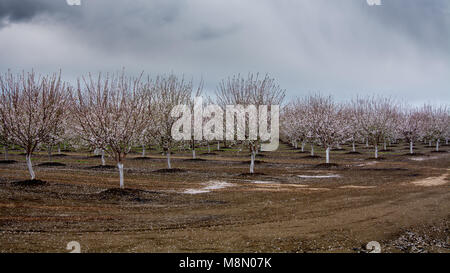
376,117
327,122
30,106
246,94
111,112
167,92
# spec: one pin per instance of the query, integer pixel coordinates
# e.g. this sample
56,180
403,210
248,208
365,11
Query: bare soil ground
292,204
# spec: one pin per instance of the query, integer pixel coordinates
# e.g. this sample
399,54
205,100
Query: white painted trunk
296,145
303,146
209,148
411,147
252,163
312,149
103,158
353,147
143,150
59,149
193,154
327,155
376,151
30,167
437,145
384,146
168,161
367,142
120,166
218,145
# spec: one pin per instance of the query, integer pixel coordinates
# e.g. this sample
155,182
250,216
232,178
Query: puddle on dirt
262,182
319,176
209,186
423,158
356,187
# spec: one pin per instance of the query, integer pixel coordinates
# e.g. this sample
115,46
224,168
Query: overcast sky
343,48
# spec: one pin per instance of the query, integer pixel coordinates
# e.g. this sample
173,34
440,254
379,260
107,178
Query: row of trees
377,121
113,113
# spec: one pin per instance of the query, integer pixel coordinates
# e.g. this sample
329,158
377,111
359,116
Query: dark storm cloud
13,11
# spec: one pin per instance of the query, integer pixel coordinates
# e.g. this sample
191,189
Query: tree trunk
327,155
437,145
411,147
218,145
120,166
209,148
296,145
103,158
353,146
367,142
143,150
303,146
59,148
5,150
384,146
168,160
30,166
376,151
312,149
252,162
429,143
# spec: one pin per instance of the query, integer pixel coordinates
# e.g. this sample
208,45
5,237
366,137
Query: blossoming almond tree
438,122
167,92
354,131
195,109
245,95
30,106
111,112
4,140
376,117
294,123
327,121
411,126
